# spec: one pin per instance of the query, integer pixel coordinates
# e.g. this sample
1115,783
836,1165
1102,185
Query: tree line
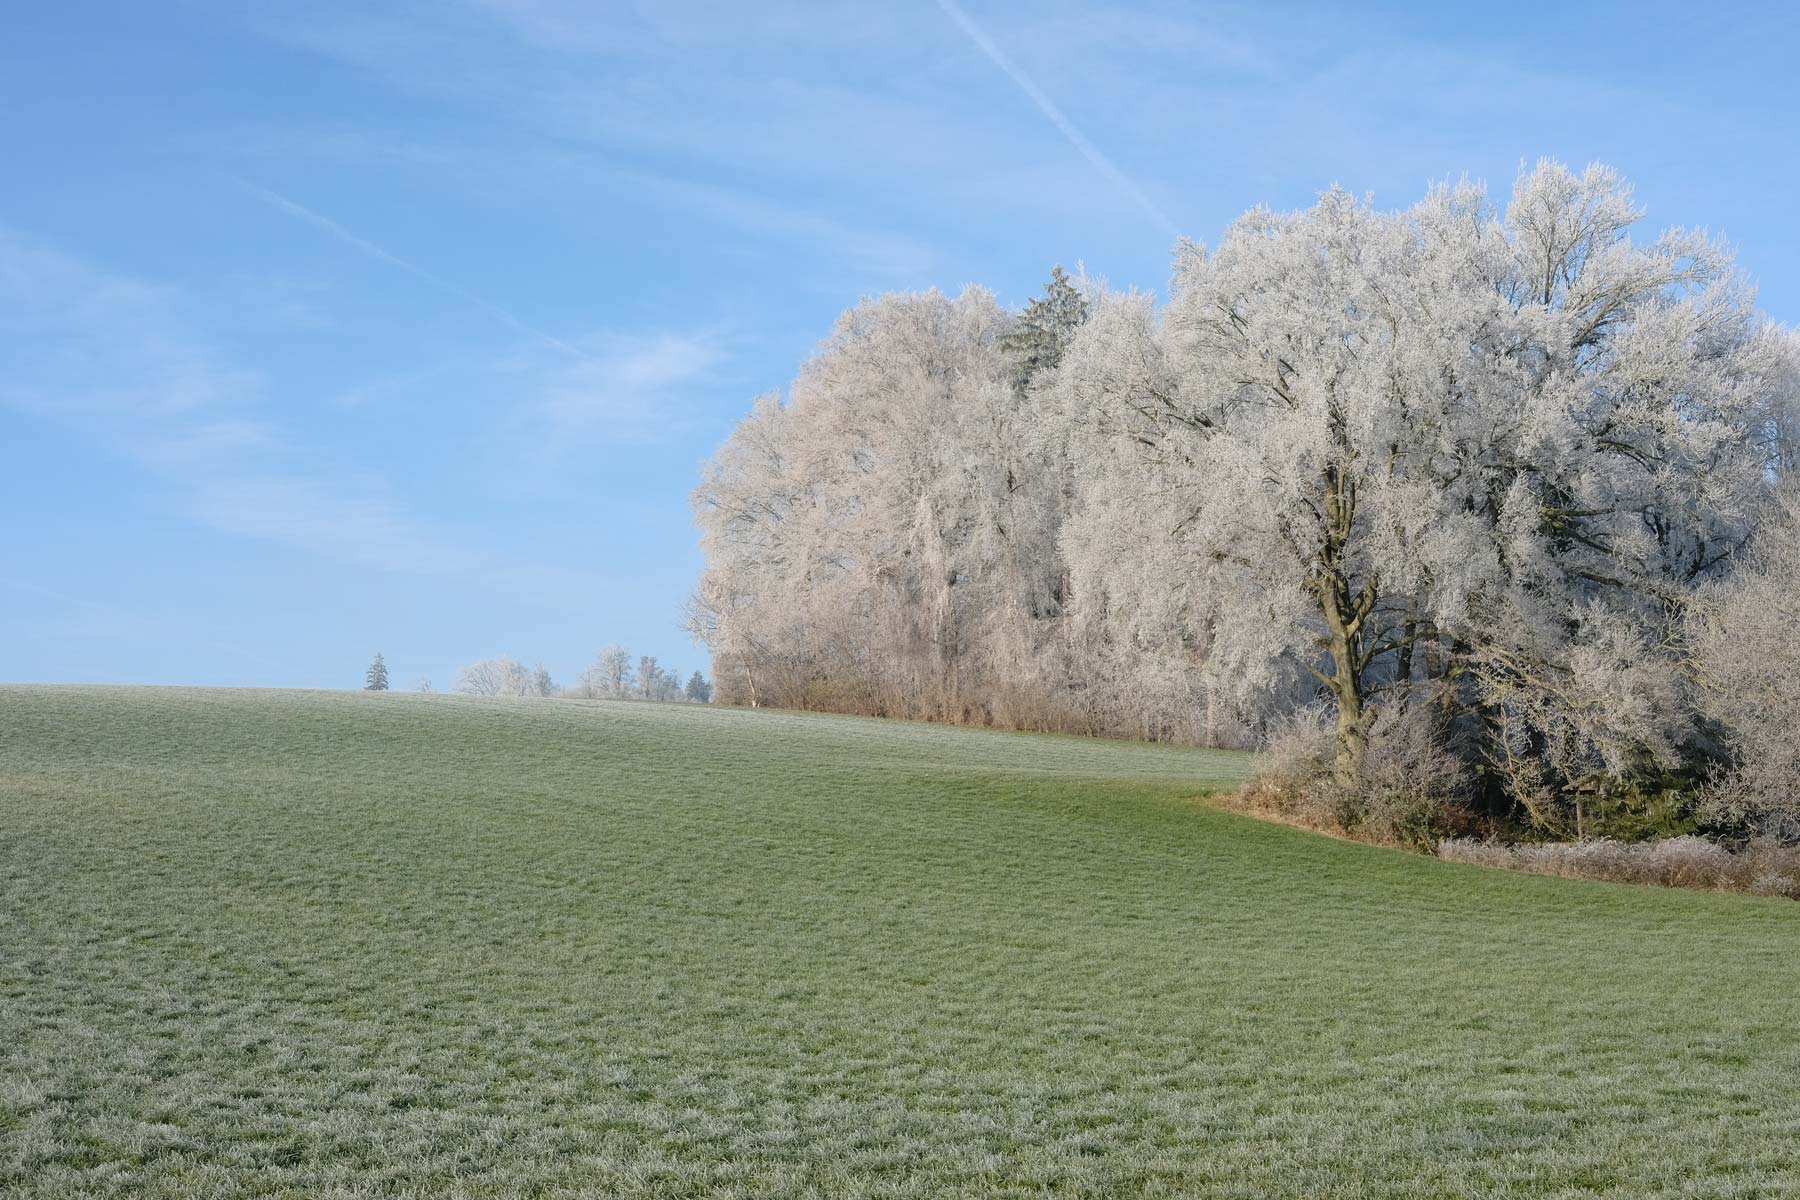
611,676
1484,511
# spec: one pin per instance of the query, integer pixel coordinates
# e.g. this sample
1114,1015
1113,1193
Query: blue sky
328,328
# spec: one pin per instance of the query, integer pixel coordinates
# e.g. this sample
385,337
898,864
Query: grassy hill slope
282,943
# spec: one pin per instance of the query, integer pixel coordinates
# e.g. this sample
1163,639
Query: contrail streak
296,209
1056,116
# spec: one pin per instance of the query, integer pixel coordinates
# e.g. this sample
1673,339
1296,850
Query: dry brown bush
1408,790
1764,867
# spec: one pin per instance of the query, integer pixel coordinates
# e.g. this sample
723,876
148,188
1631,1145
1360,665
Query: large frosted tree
1486,451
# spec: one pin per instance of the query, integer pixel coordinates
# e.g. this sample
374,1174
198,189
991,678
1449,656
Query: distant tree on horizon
503,675
499,676
376,678
698,690
608,677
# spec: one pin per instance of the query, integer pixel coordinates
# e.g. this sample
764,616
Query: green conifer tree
1046,328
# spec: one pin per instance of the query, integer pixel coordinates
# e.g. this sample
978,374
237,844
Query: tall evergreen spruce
1045,328
376,680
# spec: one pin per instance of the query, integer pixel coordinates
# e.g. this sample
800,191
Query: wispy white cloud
205,441
295,209
882,254
88,345
327,518
124,363
630,386
618,386
394,385
873,253
799,159
117,360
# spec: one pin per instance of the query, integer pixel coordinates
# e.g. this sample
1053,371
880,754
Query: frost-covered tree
375,679
499,676
505,676
1780,416
1747,658
609,676
1447,446
884,540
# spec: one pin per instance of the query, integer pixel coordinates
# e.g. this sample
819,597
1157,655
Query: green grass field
323,944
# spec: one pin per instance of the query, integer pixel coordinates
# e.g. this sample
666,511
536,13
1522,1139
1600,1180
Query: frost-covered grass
315,944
